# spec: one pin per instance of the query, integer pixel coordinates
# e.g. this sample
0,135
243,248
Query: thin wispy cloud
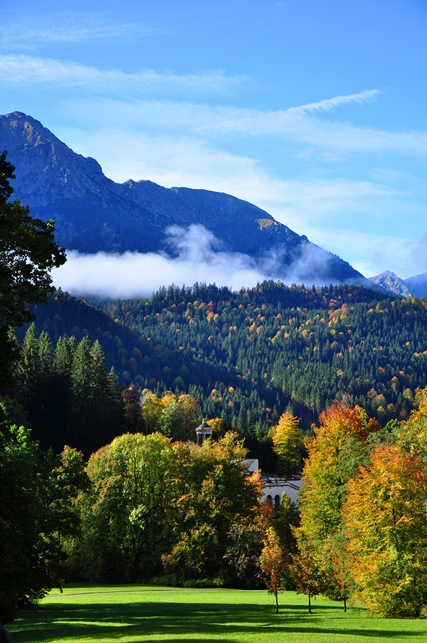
68,27
288,120
367,96
24,71
333,140
296,124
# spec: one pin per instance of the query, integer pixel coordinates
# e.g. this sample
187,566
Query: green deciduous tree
28,252
36,512
124,524
18,457
214,492
155,504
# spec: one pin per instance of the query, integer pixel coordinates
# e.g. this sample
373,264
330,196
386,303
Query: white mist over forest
198,258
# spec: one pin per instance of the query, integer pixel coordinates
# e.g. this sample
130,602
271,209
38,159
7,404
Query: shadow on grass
173,621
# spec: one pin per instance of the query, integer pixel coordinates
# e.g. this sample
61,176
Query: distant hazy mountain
392,283
93,213
417,285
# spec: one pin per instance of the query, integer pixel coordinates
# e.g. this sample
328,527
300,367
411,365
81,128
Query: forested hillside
297,346
247,356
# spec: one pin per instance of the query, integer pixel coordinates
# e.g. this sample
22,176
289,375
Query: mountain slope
93,213
392,283
417,285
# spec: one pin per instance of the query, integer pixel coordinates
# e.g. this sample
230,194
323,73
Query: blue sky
312,109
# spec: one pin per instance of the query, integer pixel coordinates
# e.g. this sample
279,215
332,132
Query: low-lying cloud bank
198,259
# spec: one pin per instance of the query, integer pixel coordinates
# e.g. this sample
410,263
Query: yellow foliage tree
386,526
288,443
339,445
272,564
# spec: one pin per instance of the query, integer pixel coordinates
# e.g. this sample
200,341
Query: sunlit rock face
392,283
93,213
416,286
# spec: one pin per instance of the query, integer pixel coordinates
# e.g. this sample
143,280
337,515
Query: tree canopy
37,493
28,252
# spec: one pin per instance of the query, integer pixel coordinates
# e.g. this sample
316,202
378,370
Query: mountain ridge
391,283
415,286
92,213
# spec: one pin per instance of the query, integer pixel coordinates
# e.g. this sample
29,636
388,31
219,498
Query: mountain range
416,286
93,213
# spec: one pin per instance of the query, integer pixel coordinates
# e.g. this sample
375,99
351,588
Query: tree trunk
277,602
309,603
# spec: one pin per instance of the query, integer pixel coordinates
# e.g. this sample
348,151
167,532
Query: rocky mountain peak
392,283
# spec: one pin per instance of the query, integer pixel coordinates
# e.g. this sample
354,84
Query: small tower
203,432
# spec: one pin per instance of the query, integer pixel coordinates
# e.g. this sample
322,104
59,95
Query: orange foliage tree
386,526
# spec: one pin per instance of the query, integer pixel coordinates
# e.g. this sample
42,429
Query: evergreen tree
80,412
96,405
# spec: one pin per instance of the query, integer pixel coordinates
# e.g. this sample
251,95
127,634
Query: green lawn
131,613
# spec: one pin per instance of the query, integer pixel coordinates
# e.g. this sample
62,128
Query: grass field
129,614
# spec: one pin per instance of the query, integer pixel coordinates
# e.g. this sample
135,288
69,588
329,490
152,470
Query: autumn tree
244,547
245,543
179,418
339,445
307,570
288,443
174,416
272,564
412,434
287,520
386,526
